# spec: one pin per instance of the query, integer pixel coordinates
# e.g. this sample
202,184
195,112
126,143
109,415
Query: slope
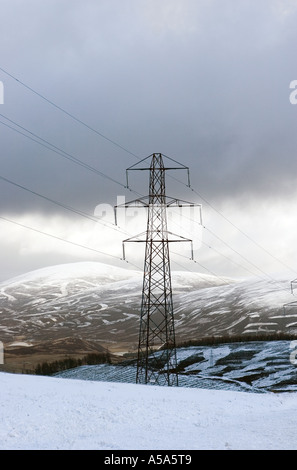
40,413
101,303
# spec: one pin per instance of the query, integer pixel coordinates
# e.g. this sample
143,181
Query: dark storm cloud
206,83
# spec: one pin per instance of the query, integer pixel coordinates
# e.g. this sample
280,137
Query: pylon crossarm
163,168
180,202
138,203
138,239
135,203
183,239
292,285
135,239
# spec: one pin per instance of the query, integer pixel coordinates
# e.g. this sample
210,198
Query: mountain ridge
101,303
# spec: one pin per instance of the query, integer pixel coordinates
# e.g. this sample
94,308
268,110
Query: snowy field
40,413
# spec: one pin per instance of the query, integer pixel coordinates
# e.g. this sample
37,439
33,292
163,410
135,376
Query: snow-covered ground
54,413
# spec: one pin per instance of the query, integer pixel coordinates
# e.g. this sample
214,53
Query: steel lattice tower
156,317
156,362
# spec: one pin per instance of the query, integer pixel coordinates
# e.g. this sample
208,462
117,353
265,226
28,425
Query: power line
68,156
136,156
57,150
245,234
111,226
231,248
227,258
201,265
67,113
235,226
58,238
64,206
244,258
27,227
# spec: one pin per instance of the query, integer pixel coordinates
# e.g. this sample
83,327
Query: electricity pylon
156,362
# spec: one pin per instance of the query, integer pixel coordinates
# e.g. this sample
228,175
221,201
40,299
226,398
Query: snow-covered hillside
253,366
99,302
52,413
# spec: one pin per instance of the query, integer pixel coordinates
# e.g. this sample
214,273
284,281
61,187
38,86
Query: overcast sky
205,82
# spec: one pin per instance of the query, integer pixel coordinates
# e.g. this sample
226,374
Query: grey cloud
206,83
